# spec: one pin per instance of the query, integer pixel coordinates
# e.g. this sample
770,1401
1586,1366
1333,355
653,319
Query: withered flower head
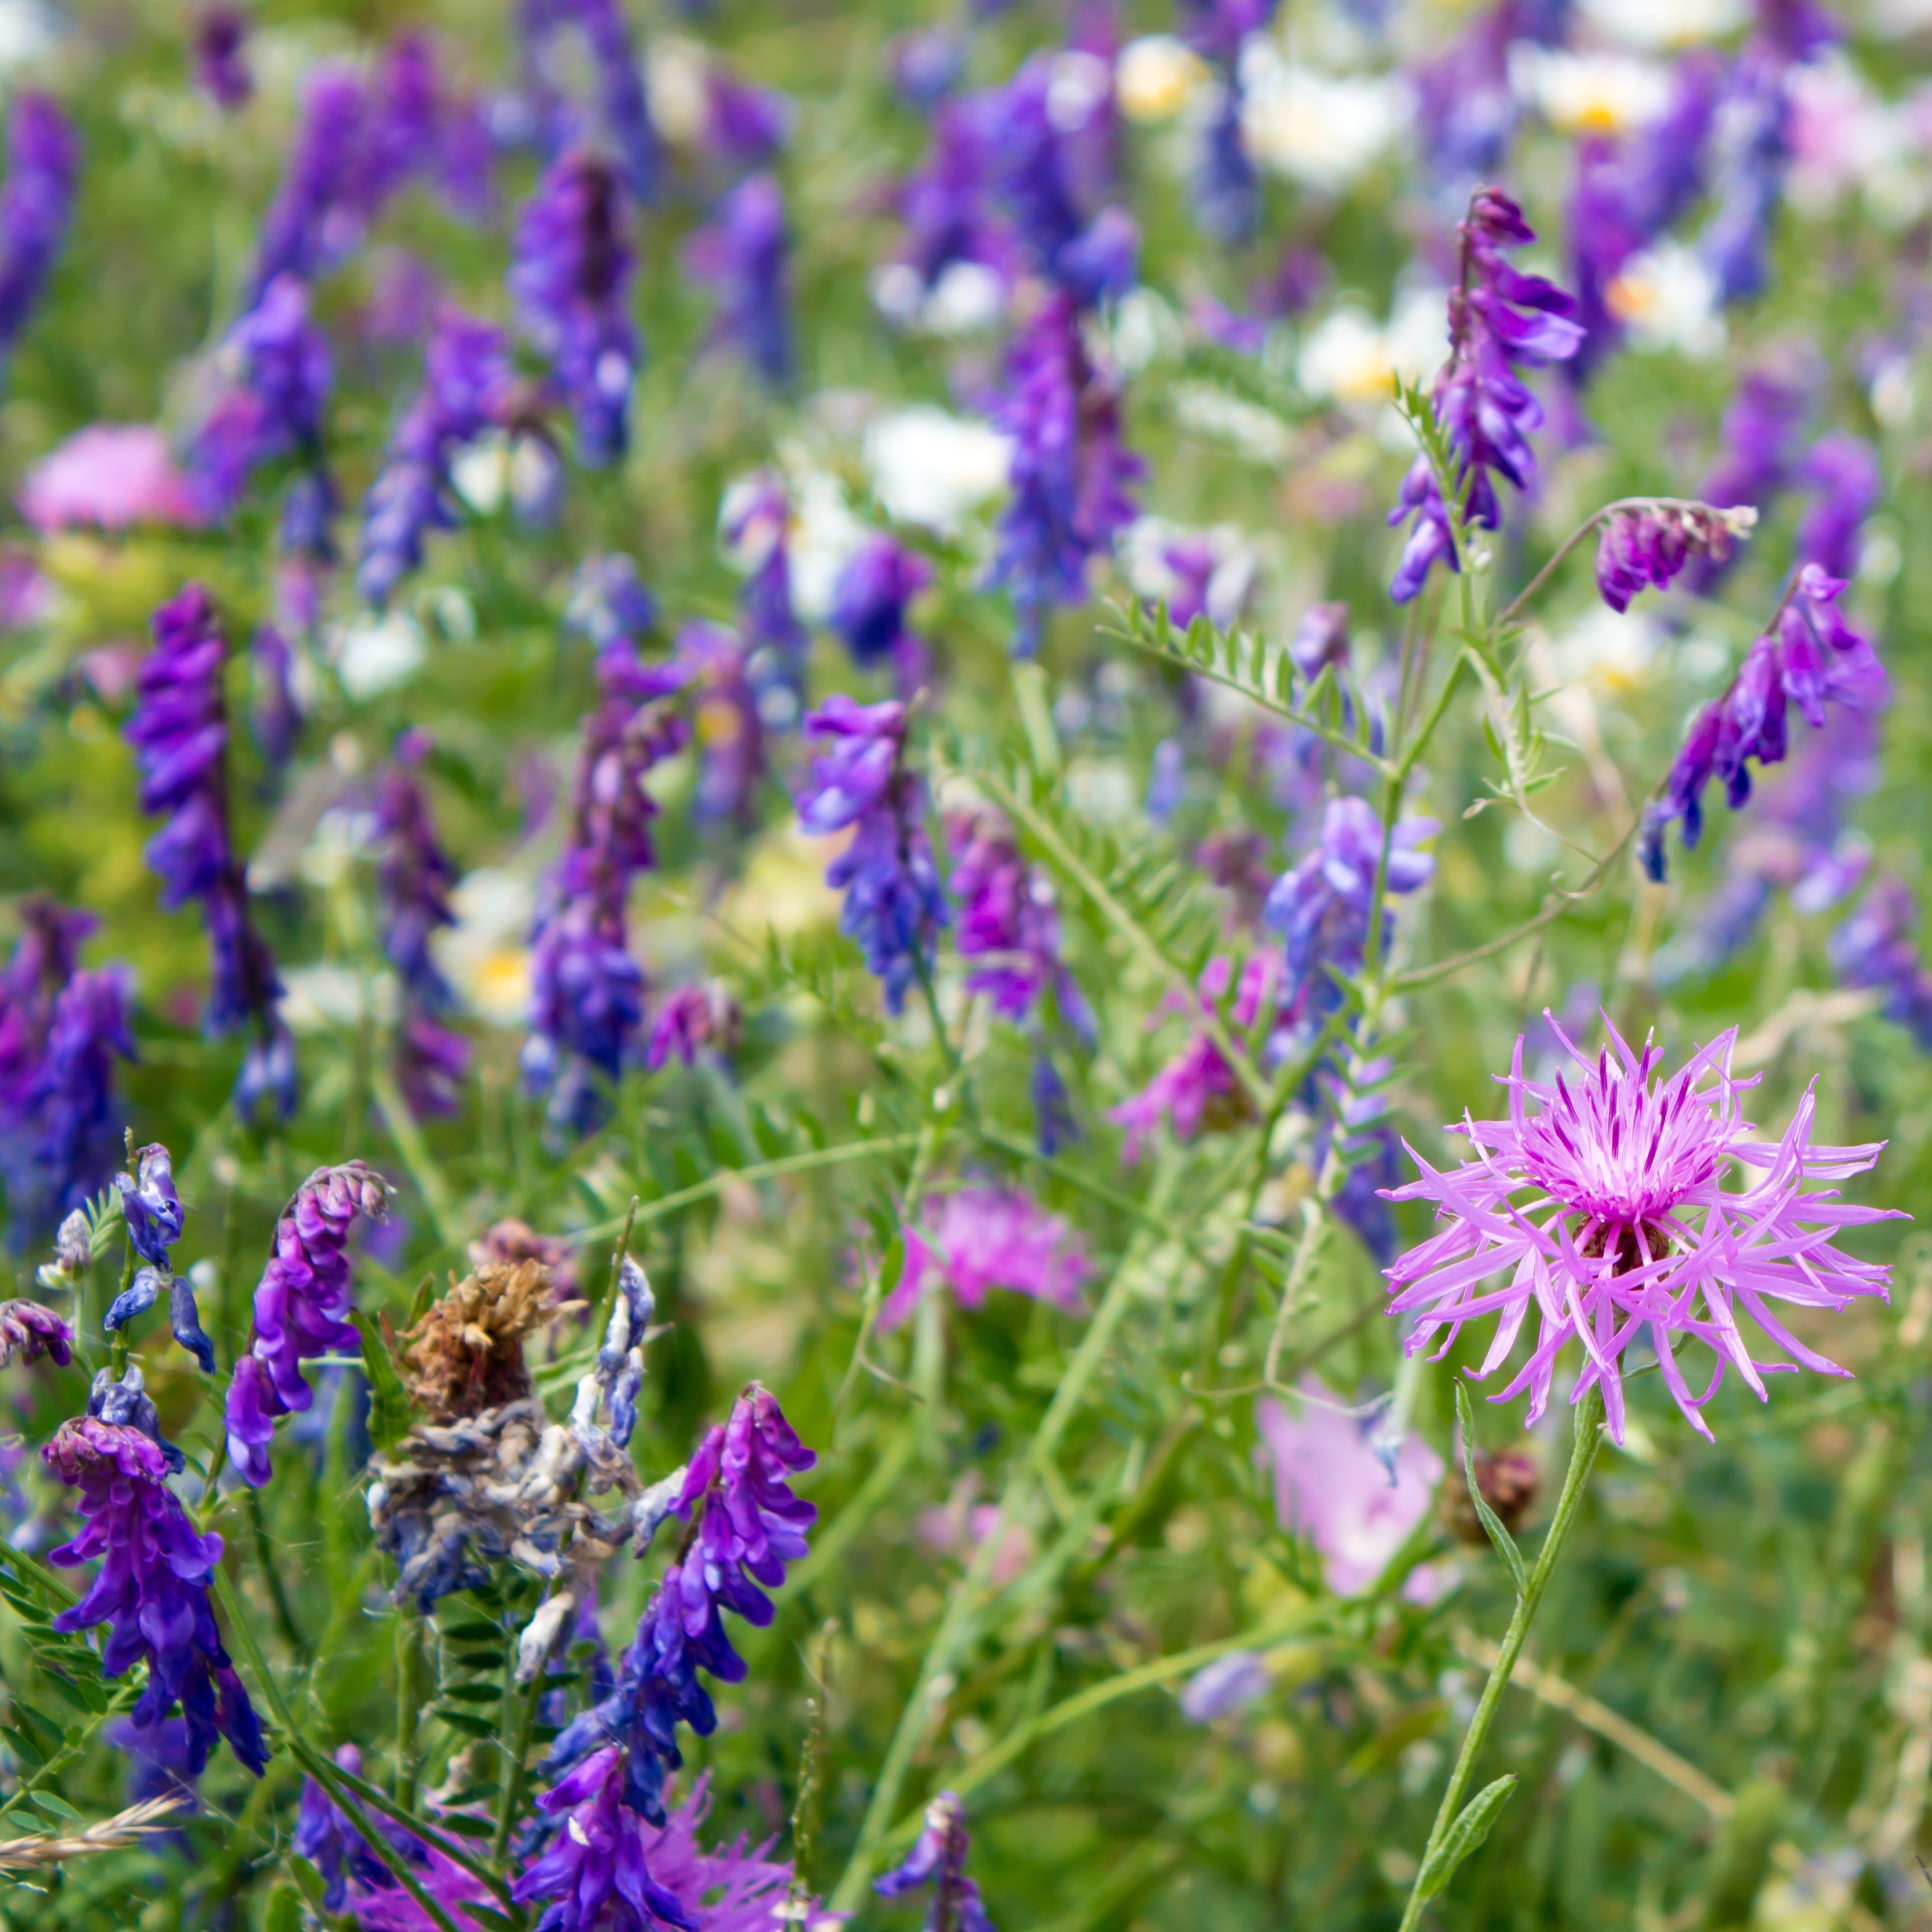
512,1241
1508,1479
466,1354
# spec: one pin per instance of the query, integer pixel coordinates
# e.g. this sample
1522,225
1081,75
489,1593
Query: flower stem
1588,1440
516,1750
408,1701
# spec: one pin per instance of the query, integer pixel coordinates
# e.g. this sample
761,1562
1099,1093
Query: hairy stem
1588,1440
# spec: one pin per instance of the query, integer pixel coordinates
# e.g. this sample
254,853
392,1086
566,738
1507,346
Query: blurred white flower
1349,357
480,472
315,998
1609,650
676,84
1156,76
374,654
485,955
1664,23
1842,135
1320,129
825,535
968,297
1588,93
931,468
1668,298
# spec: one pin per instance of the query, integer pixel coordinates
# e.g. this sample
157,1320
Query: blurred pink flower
1331,1486
960,1526
990,1237
113,475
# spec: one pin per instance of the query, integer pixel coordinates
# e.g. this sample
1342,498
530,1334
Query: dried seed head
467,1353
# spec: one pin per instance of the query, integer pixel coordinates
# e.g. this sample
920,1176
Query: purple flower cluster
587,991
1071,471
754,527
1009,922
1810,657
743,254
1320,907
1628,192
413,877
271,406
220,69
358,142
1602,1207
28,1331
42,169
869,600
1227,192
1500,320
571,281
179,732
946,205
744,1525
624,112
730,724
62,1029
466,381
1842,473
152,1211
152,1586
1873,949
938,1858
986,1237
894,906
302,1304
1646,548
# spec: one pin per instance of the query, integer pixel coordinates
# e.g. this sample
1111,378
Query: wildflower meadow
961,968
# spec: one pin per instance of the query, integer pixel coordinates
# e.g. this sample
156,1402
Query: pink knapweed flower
983,1237
1332,1485
1605,1205
112,475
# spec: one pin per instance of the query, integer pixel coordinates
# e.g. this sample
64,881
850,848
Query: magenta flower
1332,1485
984,1238
1606,1207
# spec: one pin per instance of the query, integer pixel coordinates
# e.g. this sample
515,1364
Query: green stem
1588,1440
955,1628
516,1749
408,1138
264,1557
408,1701
318,1766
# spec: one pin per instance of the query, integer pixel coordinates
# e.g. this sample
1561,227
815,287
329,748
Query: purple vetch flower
279,372
221,70
925,66
755,520
1811,657
1320,907
745,1526
1466,112
414,875
745,125
1629,191
984,1238
587,991
571,282
728,722
28,1331
151,1587
593,1872
302,1304
609,603
1217,1690
946,207
313,220
1646,547
690,1019
1071,472
1321,640
467,379
869,599
625,111
1009,922
275,716
894,906
938,1858
1227,194
43,170
1500,320
1759,433
1873,949
150,1206
179,732
1605,1208
743,254
71,1110
1842,472
1750,147
1197,1088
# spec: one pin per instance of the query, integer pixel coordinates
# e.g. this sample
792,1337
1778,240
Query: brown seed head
466,1354
1508,1479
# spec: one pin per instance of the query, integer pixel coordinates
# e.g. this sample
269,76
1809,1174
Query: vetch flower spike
1601,1199
938,1858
